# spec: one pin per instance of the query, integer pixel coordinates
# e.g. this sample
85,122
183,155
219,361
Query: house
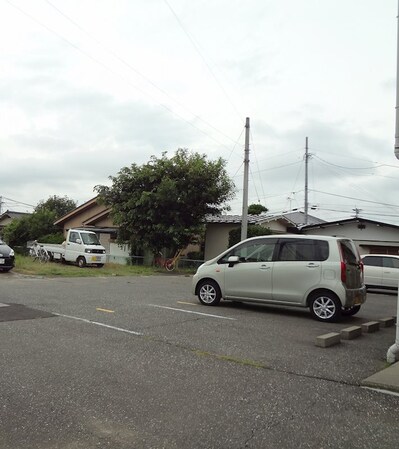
218,227
96,217
370,236
8,216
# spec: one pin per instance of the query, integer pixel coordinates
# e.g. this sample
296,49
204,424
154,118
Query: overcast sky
90,86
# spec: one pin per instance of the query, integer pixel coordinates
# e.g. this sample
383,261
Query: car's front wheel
209,293
325,306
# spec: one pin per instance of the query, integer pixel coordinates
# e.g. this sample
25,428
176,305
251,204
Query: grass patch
26,265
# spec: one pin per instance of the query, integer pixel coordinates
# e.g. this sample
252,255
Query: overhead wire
135,70
88,55
196,47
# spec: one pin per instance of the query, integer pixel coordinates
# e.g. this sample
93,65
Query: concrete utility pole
306,181
393,351
244,223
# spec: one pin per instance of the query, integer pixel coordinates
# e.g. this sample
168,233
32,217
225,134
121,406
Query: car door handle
264,267
313,265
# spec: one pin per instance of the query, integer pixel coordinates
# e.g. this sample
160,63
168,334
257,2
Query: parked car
322,273
6,257
381,271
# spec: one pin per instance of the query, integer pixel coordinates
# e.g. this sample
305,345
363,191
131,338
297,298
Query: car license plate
2,261
95,258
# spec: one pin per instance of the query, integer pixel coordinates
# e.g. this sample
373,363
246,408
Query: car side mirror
78,241
232,260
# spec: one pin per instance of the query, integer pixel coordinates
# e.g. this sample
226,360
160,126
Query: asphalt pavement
137,362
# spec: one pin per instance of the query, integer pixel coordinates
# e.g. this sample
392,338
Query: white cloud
89,87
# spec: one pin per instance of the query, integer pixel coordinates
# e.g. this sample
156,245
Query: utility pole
306,181
397,92
244,223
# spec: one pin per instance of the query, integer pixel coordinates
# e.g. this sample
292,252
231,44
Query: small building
370,236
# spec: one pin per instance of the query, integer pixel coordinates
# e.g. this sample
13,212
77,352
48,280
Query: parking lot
137,362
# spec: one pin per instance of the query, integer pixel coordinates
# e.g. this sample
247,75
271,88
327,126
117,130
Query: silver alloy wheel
208,293
324,307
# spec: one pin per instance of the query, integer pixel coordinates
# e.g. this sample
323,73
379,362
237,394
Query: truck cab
84,248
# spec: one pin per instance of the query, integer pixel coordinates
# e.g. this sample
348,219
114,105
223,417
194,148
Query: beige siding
217,238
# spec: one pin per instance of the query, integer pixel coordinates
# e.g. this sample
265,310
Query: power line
356,199
88,55
127,64
196,47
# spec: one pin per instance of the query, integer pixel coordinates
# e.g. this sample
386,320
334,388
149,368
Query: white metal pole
244,223
397,91
393,351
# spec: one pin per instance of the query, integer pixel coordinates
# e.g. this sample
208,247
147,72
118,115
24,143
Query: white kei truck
80,246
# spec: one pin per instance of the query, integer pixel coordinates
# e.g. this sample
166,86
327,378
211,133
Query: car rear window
348,252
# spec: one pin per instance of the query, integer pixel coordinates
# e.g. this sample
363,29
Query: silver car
322,273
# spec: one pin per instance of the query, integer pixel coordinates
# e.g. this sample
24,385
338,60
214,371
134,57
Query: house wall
217,235
275,226
76,221
217,238
372,238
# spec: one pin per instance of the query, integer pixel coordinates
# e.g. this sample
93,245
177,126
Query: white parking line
120,329
195,313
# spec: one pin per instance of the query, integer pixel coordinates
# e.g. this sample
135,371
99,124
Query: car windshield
90,238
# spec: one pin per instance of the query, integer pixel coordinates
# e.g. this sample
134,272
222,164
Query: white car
381,271
319,272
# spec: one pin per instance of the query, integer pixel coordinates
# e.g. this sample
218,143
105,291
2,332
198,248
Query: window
390,262
373,261
303,250
253,251
348,252
73,237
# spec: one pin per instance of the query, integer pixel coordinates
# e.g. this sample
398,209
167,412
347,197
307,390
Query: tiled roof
296,218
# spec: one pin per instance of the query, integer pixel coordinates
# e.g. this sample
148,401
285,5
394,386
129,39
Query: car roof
298,236
381,255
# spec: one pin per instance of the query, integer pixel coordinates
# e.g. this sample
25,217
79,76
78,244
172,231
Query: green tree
256,209
59,206
163,203
253,231
40,224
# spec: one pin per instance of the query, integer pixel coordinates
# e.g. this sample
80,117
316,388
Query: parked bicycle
39,253
168,263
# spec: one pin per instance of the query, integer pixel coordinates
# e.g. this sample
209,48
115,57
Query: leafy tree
256,209
17,233
253,231
60,206
163,203
40,224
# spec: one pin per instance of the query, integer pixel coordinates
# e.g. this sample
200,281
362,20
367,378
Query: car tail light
343,272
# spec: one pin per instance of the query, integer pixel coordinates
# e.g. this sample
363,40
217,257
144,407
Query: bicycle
39,253
169,264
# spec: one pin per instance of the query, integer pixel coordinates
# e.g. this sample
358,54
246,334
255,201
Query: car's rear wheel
350,311
325,306
209,293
